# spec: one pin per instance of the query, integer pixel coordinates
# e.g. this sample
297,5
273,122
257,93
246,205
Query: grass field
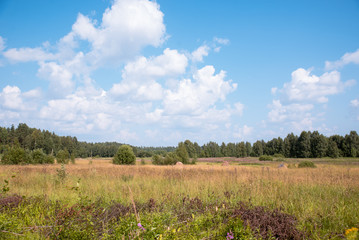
248,199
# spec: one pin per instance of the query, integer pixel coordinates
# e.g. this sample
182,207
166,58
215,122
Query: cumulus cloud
28,54
294,111
127,26
151,91
13,99
139,78
60,78
306,86
243,132
199,53
194,97
346,59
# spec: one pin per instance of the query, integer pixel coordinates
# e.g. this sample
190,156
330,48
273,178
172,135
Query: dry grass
328,194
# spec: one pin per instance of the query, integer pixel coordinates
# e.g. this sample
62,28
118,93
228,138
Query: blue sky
154,73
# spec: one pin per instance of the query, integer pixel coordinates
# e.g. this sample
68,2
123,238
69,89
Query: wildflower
351,233
140,226
229,236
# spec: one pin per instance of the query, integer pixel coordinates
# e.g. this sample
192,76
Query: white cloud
11,98
28,54
126,27
244,132
139,78
195,97
170,63
344,60
2,44
222,41
354,103
199,53
239,107
60,78
309,87
292,112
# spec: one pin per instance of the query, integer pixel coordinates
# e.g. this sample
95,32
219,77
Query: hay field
324,200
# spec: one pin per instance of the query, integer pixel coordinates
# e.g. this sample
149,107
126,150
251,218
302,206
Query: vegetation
306,145
265,158
306,164
124,156
106,201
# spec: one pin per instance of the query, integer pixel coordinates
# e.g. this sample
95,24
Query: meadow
249,199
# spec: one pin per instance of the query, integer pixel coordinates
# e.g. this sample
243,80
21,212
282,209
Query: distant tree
304,150
182,153
351,144
124,156
257,148
63,156
190,147
333,150
290,145
16,155
319,145
171,159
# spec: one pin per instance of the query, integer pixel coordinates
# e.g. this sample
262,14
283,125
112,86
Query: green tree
182,153
257,149
304,150
15,155
319,145
124,155
333,150
63,156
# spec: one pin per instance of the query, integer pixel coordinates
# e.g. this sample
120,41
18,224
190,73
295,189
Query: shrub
63,157
170,159
157,159
39,157
306,164
16,155
265,158
124,155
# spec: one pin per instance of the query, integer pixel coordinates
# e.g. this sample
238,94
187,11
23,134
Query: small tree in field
63,157
124,155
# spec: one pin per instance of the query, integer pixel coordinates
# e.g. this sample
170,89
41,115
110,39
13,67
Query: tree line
306,145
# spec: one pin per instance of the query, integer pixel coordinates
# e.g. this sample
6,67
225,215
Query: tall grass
324,199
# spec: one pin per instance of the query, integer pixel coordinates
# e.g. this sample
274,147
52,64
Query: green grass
323,200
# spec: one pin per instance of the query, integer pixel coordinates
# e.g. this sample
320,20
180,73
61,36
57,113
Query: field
249,199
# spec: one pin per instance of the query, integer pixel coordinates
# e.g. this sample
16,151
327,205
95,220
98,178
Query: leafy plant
265,158
306,164
124,155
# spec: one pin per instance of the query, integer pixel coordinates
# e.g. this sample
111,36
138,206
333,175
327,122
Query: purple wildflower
230,235
140,226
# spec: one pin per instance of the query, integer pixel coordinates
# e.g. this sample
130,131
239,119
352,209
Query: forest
306,145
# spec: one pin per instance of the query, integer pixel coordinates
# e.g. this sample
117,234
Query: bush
170,159
39,157
265,158
306,164
16,155
63,157
157,159
124,155
278,155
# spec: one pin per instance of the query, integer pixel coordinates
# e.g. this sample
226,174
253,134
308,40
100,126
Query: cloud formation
346,59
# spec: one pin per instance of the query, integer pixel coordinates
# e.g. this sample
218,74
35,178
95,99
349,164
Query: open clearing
203,201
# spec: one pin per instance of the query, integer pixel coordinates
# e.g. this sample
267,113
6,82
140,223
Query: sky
154,73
